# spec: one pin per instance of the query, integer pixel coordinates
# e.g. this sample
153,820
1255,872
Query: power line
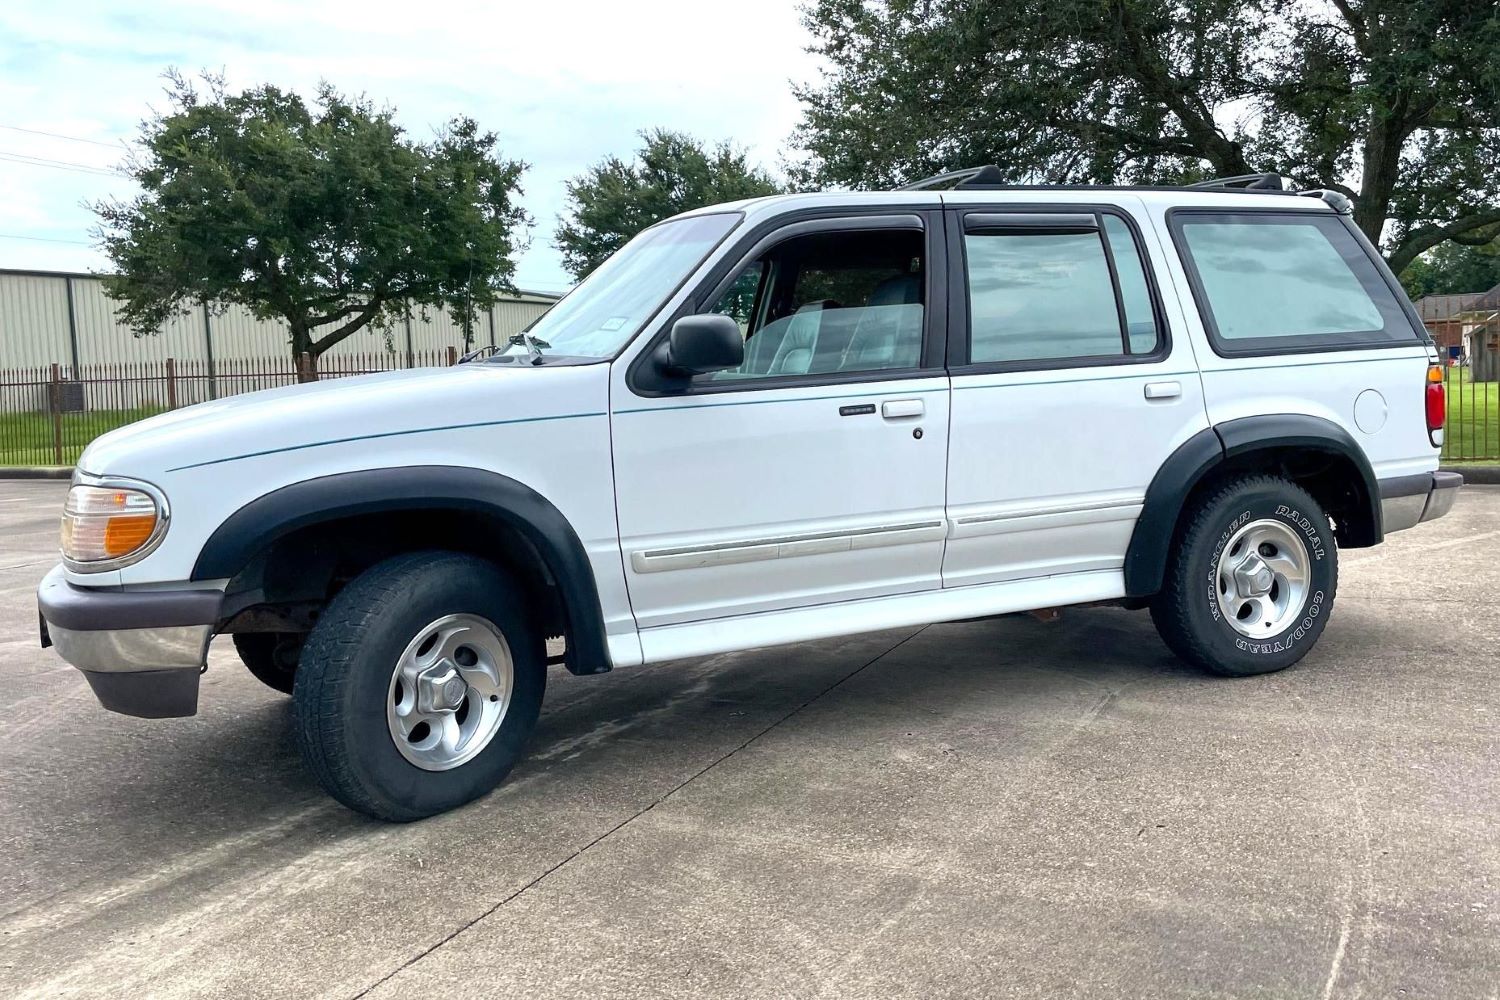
43,239
70,138
41,161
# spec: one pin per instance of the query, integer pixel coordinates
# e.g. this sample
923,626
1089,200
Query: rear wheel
270,656
419,685
1251,580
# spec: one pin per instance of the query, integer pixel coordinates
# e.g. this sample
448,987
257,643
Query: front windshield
609,307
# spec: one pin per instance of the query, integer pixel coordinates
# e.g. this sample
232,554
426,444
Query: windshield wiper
477,353
532,344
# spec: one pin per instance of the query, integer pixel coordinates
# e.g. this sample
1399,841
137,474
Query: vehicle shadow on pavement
228,786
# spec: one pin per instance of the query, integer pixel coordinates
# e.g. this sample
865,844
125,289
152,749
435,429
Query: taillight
1437,404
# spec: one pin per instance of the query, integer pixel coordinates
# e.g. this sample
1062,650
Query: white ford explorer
768,422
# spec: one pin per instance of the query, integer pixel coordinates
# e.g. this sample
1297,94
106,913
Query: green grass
1473,428
28,438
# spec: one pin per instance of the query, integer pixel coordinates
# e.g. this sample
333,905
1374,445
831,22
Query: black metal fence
48,415
1473,429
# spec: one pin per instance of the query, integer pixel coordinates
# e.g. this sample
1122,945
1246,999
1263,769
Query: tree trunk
303,359
307,367
1381,169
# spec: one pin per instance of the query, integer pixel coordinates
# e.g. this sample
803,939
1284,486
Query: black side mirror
701,344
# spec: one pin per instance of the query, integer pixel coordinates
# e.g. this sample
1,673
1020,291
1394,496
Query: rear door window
1053,290
1273,282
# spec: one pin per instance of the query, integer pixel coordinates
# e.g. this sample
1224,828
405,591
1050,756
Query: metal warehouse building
49,318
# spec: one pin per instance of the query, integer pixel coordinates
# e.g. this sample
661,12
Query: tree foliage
671,173
1453,268
1393,102
327,217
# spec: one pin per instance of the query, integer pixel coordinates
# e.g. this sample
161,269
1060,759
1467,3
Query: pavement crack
634,816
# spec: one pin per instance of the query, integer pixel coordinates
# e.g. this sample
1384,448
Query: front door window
830,303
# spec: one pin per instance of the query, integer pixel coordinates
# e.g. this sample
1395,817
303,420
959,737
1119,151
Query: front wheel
1251,581
419,685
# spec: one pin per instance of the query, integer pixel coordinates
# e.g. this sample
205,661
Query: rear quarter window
1280,282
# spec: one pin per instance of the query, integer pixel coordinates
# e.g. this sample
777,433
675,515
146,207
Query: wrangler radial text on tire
1251,580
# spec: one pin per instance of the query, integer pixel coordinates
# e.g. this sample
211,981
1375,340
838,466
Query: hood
332,411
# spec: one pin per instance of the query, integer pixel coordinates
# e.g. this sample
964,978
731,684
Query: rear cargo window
1286,282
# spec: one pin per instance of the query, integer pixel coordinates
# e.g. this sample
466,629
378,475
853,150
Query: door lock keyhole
917,433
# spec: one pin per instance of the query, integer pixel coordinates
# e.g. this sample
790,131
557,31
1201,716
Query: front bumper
141,651
1407,501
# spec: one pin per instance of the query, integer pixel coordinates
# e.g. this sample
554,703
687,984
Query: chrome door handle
1163,390
893,409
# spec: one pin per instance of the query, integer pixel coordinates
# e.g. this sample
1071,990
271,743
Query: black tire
1187,612
270,656
344,681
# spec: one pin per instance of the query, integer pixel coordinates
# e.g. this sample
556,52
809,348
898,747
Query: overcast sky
564,84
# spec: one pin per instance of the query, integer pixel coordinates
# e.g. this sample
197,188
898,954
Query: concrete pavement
999,808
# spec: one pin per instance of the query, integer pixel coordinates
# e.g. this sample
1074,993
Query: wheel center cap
1253,577
440,689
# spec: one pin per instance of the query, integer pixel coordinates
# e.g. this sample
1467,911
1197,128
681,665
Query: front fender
257,525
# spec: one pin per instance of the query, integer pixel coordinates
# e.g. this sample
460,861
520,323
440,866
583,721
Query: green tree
1393,103
1453,268
328,218
671,173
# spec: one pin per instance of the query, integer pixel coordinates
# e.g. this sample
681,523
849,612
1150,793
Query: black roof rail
989,177
956,176
1340,203
1247,182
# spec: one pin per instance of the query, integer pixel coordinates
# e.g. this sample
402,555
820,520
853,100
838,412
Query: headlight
106,526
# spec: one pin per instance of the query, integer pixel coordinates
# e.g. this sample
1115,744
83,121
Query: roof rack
1245,182
989,177
957,177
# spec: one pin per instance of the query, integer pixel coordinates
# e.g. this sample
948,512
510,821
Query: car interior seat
794,355
889,331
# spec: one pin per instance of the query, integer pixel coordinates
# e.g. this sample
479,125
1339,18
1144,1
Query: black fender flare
1150,543
259,523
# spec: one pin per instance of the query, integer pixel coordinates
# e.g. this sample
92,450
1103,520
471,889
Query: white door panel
1049,469
765,499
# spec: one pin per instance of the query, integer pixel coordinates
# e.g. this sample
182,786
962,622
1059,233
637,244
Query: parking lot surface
996,808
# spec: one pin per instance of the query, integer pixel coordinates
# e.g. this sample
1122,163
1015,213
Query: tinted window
1134,293
1037,296
1272,281
830,302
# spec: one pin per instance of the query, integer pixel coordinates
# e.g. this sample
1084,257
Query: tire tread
1170,609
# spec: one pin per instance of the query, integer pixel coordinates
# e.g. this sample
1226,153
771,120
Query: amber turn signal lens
1434,373
103,524
123,535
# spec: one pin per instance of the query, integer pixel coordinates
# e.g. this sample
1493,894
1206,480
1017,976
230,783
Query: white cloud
564,84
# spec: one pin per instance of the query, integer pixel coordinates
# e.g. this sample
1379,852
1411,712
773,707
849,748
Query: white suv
769,422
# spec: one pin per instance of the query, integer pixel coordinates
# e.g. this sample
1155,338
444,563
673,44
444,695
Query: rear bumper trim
1445,487
1406,501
